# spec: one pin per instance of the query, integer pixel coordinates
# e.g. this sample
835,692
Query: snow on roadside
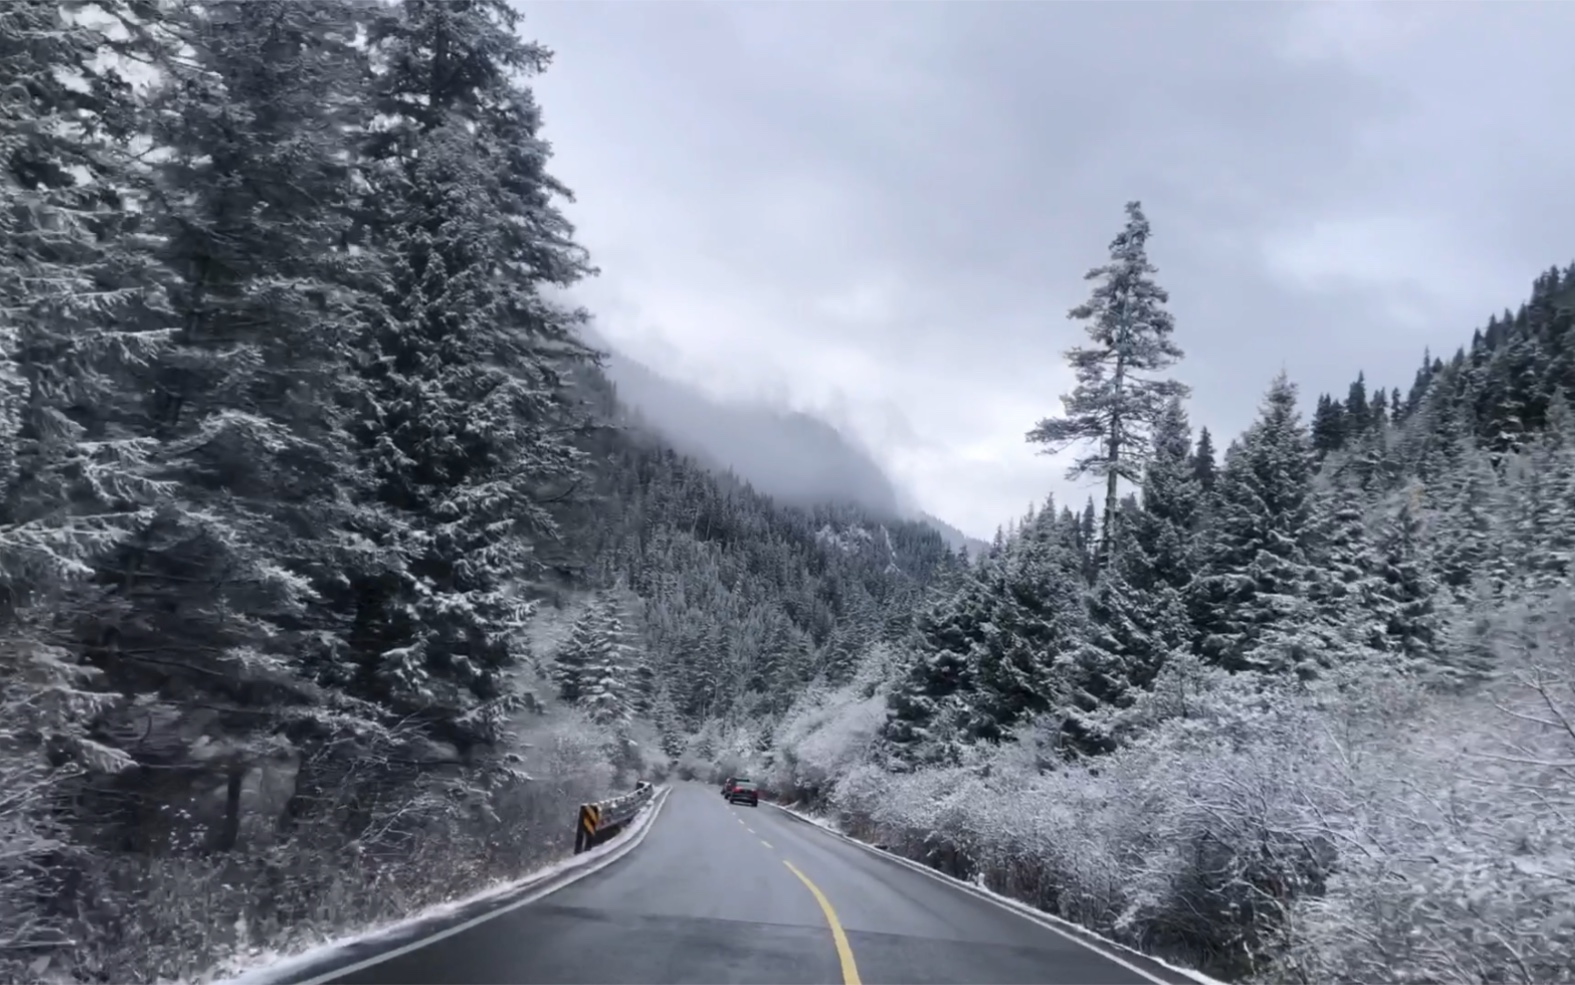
1009,902
264,967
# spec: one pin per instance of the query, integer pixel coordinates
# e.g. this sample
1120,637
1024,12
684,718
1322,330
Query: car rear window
744,784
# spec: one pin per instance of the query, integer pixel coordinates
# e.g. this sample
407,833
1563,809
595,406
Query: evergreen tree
1256,571
1408,584
571,664
469,427
669,728
251,201
928,706
1087,541
605,695
82,302
1348,587
1118,400
643,687
1137,614
1470,547
1172,503
1131,630
1203,466
1378,410
1328,426
1357,412
1036,613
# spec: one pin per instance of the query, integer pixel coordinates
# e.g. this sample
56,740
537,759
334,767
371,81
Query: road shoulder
1149,968
345,956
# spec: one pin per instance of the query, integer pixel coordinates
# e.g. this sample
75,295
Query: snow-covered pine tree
80,300
1036,615
1087,541
606,695
1408,586
1347,587
1558,444
251,200
1471,551
642,685
669,728
1256,572
1358,415
1539,515
1121,651
577,653
926,708
1328,425
608,685
1172,503
1137,613
1118,398
470,424
1203,464
792,655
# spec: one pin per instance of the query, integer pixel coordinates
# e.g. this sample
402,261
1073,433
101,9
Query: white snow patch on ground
264,967
1013,904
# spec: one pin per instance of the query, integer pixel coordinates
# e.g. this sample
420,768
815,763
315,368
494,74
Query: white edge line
1011,906
553,885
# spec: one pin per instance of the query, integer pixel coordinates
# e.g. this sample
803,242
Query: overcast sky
882,212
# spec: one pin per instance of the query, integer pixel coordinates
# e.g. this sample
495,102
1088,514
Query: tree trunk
230,831
1112,478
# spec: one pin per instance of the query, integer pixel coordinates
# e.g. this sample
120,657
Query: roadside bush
1459,847
1360,828
380,841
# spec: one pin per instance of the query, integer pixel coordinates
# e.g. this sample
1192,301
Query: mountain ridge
795,457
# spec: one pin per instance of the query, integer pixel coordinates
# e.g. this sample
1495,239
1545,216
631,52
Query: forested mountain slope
298,455
743,600
1301,711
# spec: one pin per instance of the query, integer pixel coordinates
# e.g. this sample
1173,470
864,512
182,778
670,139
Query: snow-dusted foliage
1311,718
333,577
300,459
286,428
1458,856
1118,401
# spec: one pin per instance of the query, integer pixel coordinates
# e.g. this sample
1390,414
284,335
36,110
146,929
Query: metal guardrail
603,820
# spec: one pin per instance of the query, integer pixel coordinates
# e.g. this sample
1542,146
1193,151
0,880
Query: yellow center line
850,971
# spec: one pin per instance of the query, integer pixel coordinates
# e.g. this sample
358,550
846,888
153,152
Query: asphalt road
718,893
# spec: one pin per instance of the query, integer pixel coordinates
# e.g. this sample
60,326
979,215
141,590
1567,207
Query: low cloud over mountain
792,456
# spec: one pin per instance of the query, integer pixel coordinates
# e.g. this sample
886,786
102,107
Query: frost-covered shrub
45,700
1460,838
1195,839
386,842
1365,826
29,840
571,756
822,737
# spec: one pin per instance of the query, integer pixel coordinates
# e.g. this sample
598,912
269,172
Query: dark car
744,792
727,785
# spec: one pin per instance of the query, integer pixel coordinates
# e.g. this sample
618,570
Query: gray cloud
882,212
796,458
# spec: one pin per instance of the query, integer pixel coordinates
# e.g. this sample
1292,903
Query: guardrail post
598,822
585,828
